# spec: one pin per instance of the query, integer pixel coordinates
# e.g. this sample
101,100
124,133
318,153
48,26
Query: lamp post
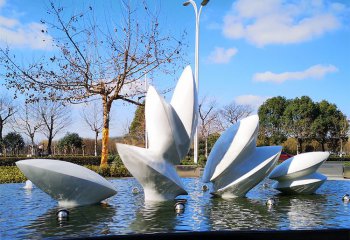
197,15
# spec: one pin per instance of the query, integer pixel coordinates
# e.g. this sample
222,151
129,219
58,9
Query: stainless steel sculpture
235,165
170,130
68,183
297,175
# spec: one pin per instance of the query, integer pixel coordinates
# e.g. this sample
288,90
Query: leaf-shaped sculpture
68,183
297,175
170,130
235,165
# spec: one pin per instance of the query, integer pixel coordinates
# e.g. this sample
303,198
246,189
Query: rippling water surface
32,214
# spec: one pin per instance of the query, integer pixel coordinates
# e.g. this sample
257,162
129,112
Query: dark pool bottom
338,234
32,214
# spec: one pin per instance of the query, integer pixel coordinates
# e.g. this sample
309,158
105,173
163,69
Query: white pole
196,63
195,143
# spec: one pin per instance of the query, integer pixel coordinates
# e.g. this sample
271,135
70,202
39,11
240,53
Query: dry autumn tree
29,123
7,110
233,112
93,60
55,118
209,121
92,117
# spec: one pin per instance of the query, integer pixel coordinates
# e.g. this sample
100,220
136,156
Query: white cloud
313,72
252,100
23,35
221,55
278,22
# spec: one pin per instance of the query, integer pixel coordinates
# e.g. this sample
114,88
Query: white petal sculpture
235,165
170,129
68,183
297,175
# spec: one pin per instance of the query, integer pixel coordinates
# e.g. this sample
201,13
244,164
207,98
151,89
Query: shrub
202,160
337,158
11,174
119,171
80,160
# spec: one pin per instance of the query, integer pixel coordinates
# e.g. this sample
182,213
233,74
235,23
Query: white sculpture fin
158,177
300,165
185,94
241,139
160,121
239,179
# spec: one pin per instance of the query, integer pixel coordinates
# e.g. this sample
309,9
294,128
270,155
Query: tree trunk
206,147
323,148
96,137
300,142
49,143
1,128
105,130
32,150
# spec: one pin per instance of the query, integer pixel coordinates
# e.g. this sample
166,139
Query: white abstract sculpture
170,129
235,165
68,183
297,175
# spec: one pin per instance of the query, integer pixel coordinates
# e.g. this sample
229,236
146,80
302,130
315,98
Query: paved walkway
332,170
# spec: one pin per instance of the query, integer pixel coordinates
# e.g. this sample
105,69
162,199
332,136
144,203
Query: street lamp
198,14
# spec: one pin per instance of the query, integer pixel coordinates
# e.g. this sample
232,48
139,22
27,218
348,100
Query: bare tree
28,123
233,112
93,118
209,120
93,60
7,110
55,117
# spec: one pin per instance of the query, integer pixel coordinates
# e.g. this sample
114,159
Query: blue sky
249,50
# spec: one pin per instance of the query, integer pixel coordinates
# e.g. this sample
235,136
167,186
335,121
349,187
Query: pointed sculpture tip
151,93
188,71
213,177
151,89
324,155
188,68
254,117
24,162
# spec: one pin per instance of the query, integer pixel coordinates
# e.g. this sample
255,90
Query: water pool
32,214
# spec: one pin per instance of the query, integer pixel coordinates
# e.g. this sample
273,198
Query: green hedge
336,158
80,160
188,160
113,170
11,174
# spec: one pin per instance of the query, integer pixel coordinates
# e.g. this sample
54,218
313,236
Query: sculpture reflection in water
235,165
245,213
155,217
170,129
297,175
68,183
304,211
83,221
